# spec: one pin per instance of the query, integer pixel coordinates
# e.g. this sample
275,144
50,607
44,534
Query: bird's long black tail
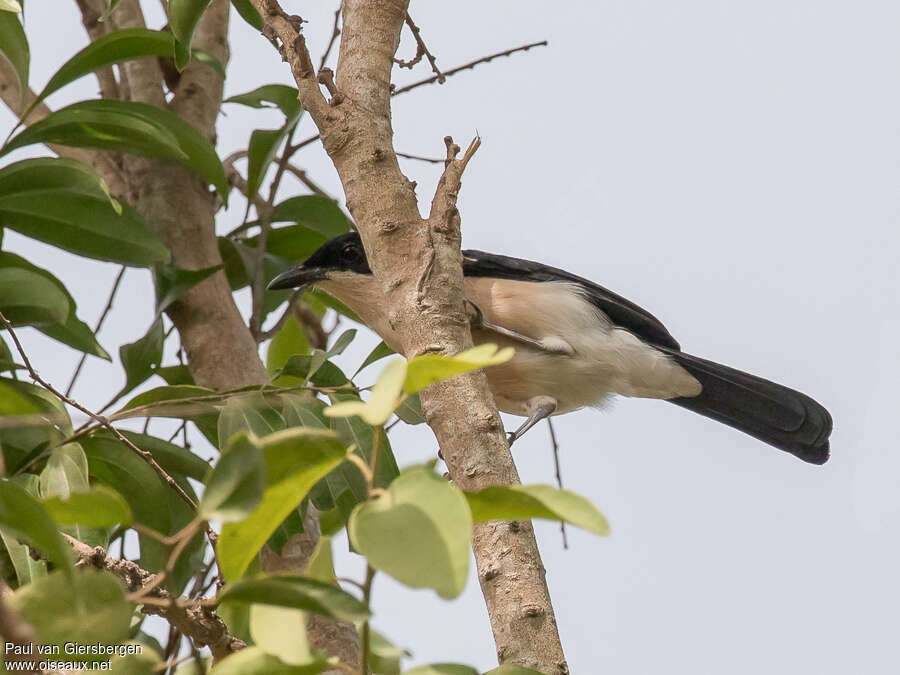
781,417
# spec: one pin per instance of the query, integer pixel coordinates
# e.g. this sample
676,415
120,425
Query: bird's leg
538,408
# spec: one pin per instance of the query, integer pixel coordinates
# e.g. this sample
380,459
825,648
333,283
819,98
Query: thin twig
104,422
430,160
97,326
335,32
421,50
446,73
366,629
300,174
466,66
559,482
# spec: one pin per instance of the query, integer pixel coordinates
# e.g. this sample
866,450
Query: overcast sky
734,168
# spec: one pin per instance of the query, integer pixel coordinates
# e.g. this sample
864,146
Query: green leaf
66,472
44,173
248,13
385,397
442,669
410,410
139,358
356,431
418,532
116,466
255,661
72,331
297,592
264,144
182,401
115,47
236,484
25,517
327,375
429,368
295,460
281,632
248,412
203,56
512,669
126,126
90,609
294,242
179,374
173,283
34,420
384,656
152,502
524,502
316,212
29,298
271,95
84,225
183,18
99,507
173,458
14,43
76,334
288,341
381,351
27,569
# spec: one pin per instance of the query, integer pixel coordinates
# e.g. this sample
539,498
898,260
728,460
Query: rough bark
418,263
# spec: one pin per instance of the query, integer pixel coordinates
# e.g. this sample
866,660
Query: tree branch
196,620
424,294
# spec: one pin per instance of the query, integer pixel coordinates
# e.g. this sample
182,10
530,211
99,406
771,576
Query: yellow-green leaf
99,507
418,532
430,368
385,397
523,502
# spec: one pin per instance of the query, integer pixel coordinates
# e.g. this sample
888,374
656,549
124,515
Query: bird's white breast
588,357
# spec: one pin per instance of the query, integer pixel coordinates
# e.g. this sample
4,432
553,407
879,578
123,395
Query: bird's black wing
620,311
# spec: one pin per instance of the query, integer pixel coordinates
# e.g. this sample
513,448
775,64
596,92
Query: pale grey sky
731,166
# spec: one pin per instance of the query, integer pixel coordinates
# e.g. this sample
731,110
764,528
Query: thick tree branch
418,263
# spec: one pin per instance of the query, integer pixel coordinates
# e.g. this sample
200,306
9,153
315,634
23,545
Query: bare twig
421,50
559,482
467,66
98,326
300,174
430,160
335,32
446,73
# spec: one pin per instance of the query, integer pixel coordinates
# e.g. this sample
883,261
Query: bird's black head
341,254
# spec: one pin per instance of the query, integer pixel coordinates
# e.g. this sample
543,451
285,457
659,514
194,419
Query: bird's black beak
296,277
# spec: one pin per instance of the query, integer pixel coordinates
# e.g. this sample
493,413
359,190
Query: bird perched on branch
576,344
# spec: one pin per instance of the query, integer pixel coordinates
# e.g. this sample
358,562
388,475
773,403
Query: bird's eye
351,254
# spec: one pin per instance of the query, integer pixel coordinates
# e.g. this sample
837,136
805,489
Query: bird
576,345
